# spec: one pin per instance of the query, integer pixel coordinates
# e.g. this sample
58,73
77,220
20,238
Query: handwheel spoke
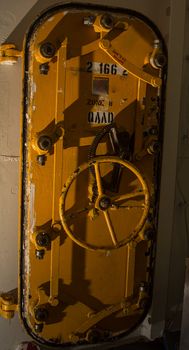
117,206
128,196
110,228
98,179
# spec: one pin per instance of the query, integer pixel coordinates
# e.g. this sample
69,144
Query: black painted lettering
106,68
113,69
103,119
97,119
101,68
90,117
89,67
110,117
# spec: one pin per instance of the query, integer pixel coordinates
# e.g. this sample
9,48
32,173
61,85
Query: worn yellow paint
86,282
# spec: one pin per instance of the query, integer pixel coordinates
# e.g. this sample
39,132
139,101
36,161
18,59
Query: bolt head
41,159
143,286
107,21
44,68
160,60
40,254
149,234
38,327
156,43
43,239
45,143
47,50
154,148
153,131
93,336
41,314
104,203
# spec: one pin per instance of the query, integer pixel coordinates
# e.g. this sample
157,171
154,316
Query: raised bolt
43,239
153,131
142,287
40,254
47,50
156,43
149,234
154,147
45,143
93,336
160,60
41,159
38,327
44,68
41,314
104,203
107,21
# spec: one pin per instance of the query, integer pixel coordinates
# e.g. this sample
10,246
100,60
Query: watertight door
91,149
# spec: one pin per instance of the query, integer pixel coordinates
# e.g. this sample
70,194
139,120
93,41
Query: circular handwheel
105,203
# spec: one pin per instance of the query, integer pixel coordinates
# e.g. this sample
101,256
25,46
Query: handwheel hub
104,203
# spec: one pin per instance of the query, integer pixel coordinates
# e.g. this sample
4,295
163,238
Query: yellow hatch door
90,168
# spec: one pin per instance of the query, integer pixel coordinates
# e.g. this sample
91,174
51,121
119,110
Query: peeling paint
50,19
28,120
33,89
32,207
